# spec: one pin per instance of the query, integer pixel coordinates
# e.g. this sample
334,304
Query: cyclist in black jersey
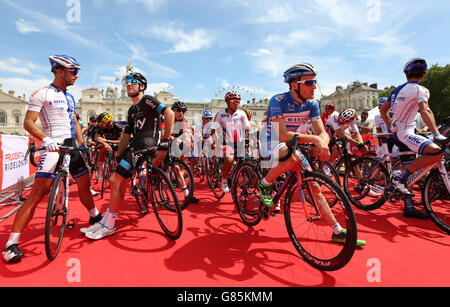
107,133
92,128
141,131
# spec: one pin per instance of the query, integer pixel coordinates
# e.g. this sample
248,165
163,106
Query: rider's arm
78,133
124,141
169,120
29,124
428,116
342,135
384,111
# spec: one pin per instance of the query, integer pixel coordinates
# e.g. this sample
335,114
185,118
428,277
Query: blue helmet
64,61
298,71
382,101
207,113
417,63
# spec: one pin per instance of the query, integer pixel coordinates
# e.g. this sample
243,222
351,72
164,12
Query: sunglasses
235,101
73,71
131,80
307,82
180,111
207,118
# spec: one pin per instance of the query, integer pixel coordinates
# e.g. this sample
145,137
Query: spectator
365,126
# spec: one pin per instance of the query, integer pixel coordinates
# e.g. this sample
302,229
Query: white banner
14,165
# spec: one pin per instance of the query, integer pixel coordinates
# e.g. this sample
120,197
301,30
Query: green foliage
438,82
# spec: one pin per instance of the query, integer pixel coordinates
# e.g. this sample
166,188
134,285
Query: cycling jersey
333,125
201,133
233,125
179,127
56,112
294,114
405,101
380,124
144,121
112,133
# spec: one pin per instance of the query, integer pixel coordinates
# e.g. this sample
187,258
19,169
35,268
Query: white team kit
404,107
56,112
333,124
233,126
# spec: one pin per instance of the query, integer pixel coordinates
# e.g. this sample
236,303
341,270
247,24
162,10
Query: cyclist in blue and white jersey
55,108
404,103
287,112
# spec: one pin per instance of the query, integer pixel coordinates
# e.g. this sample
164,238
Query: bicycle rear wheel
309,224
214,177
366,184
178,172
244,190
139,188
55,221
436,199
165,203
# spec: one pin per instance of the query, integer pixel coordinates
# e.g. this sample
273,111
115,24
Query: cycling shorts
48,161
414,142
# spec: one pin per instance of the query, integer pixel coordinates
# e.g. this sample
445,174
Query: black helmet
138,77
179,105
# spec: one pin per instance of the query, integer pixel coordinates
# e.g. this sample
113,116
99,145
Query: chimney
375,86
1,87
11,93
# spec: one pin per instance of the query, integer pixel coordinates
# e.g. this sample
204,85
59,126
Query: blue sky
196,48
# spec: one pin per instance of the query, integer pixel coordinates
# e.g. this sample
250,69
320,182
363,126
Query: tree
438,82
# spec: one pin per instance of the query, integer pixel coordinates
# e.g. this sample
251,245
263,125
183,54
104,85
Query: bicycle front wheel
309,219
165,203
436,199
55,221
182,180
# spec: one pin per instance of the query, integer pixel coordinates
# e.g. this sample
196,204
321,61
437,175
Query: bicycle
372,174
58,203
109,167
151,184
305,212
344,159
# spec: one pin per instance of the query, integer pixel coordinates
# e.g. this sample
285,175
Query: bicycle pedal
70,224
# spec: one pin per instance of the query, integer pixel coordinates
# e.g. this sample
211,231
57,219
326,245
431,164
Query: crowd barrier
16,173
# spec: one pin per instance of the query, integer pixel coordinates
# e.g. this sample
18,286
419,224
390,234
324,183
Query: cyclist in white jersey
55,108
232,122
403,104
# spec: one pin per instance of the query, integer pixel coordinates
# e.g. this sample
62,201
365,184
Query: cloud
182,41
151,5
17,66
277,14
25,27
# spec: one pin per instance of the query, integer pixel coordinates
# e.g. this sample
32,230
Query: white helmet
347,116
64,61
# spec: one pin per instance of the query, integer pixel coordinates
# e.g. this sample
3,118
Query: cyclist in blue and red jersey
288,112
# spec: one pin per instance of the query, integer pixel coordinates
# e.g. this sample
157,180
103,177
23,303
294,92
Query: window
16,115
2,118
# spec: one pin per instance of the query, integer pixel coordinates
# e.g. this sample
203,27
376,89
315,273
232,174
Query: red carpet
217,250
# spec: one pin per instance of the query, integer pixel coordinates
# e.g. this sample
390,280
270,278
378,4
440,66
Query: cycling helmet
232,96
330,106
104,118
64,61
347,116
249,113
418,64
382,101
207,114
298,71
138,77
179,105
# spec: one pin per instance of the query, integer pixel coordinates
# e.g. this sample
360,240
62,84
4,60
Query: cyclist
92,128
404,103
233,122
107,133
329,110
287,112
337,126
202,133
141,131
55,108
181,134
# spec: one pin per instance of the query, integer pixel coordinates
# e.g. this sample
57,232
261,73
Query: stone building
94,101
12,113
357,95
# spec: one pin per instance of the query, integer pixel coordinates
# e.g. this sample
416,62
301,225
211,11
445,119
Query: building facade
94,101
12,113
357,95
